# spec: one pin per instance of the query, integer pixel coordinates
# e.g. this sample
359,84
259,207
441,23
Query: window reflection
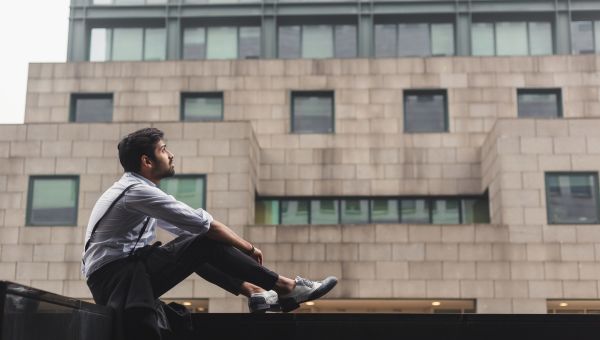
572,198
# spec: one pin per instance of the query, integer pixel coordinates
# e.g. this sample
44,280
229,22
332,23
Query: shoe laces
304,282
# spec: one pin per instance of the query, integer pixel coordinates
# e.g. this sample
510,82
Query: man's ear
146,161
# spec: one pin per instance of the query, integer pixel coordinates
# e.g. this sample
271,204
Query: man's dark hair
138,143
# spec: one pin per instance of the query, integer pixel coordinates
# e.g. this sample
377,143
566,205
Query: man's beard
170,172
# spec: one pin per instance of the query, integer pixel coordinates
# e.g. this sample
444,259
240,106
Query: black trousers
128,284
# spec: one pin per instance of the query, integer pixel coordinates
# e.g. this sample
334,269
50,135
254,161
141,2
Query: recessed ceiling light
187,303
310,303
436,303
563,304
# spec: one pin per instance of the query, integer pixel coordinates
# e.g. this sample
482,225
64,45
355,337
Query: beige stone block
228,199
308,252
577,252
587,233
559,233
527,270
509,252
375,288
66,235
71,165
569,145
56,149
525,233
358,233
408,252
9,235
474,252
52,286
536,145
64,271
78,132
424,233
494,306
205,289
535,216
476,289
105,132
396,81
543,252
32,270
580,289
324,269
520,198
585,162
76,289
341,252
409,289
25,149
92,85
325,234
293,234
582,128
425,270
388,270
48,253
374,252
103,166
358,270
493,270
262,233
391,233
545,289
551,128
184,289
8,271
589,271
17,253
561,270
529,306
197,165
88,149
441,252
227,305
40,165
458,270
15,217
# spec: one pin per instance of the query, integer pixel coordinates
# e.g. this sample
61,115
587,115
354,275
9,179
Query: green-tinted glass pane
355,211
198,108
597,35
414,211
582,37
127,43
442,39
100,44
194,43
345,41
93,108
384,211
312,113
102,2
294,212
540,38
155,47
511,38
54,202
249,42
288,42
482,38
414,40
189,190
324,212
385,41
222,43
424,112
446,212
572,198
317,41
538,105
267,212
475,211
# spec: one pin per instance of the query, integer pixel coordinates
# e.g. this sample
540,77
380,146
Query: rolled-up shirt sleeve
170,213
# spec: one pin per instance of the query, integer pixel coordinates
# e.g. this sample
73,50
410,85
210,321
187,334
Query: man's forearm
220,232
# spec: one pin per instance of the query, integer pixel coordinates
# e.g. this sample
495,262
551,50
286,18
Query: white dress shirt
117,233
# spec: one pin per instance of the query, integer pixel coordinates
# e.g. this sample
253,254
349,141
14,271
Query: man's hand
256,255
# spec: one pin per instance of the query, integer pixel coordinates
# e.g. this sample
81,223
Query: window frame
444,92
518,19
192,176
294,94
206,27
29,209
211,94
91,95
109,44
538,90
596,189
419,20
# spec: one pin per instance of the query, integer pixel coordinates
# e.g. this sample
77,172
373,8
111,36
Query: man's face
164,161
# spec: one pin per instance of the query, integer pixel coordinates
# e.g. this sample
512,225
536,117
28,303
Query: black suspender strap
140,235
87,244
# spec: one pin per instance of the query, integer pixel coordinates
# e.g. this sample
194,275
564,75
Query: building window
361,210
511,38
189,189
414,39
129,2
128,43
317,41
52,200
585,37
312,112
425,111
539,103
223,42
91,107
207,106
572,198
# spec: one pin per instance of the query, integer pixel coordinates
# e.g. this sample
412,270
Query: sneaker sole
261,306
289,304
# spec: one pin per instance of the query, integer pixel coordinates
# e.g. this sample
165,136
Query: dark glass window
221,42
267,212
385,41
189,189
52,200
512,38
414,211
324,211
476,210
194,43
294,212
127,43
544,103
414,39
249,43
355,211
425,111
317,41
312,112
91,107
289,42
445,211
572,198
202,106
345,41
583,38
384,211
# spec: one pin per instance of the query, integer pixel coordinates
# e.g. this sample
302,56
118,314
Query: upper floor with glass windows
117,30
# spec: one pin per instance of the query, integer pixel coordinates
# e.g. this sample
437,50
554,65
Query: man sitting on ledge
125,271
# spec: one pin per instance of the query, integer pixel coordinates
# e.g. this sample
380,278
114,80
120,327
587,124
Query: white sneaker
306,290
264,301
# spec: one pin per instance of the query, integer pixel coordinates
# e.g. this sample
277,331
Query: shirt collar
140,177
